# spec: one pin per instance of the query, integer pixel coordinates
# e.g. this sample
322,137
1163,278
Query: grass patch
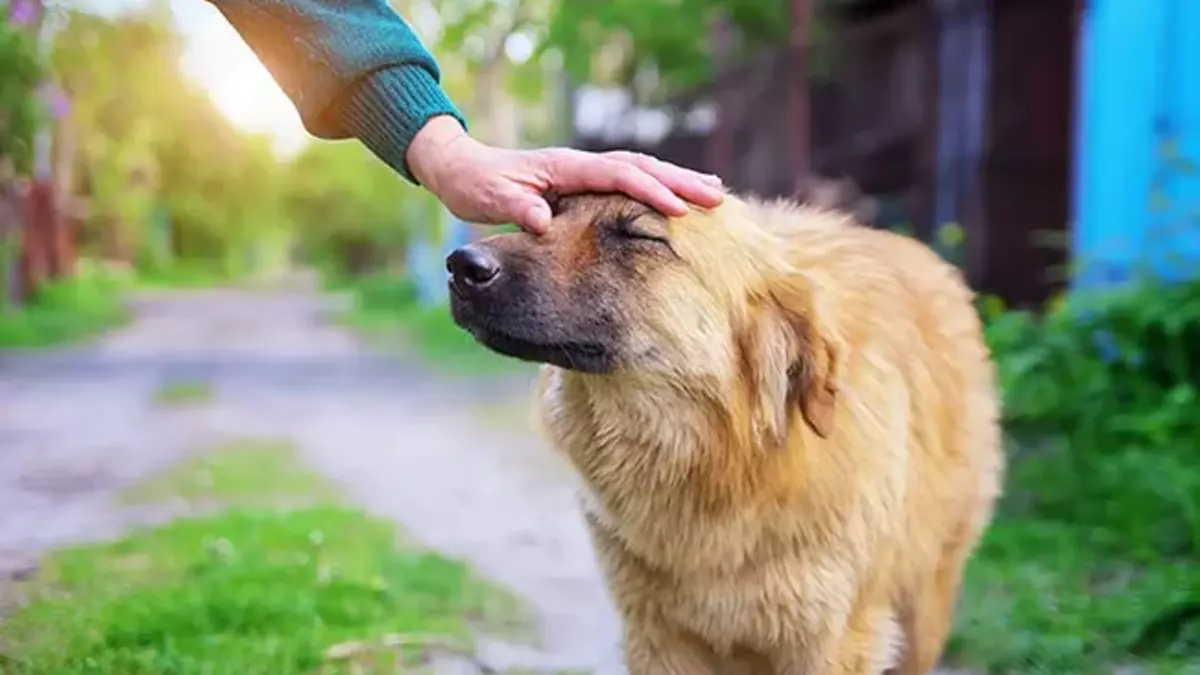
251,590
62,312
1084,571
188,274
1038,600
239,593
234,472
184,393
1093,562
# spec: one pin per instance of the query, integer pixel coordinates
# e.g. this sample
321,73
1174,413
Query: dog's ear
794,369
813,377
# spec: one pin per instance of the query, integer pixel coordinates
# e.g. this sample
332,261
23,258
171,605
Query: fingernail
712,179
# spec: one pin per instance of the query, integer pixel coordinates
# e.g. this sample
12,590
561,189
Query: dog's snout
473,266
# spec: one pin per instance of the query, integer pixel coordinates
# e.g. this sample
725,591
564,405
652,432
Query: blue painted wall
1137,191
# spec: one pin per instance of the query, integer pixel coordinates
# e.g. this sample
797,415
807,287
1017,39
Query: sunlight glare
240,86
519,47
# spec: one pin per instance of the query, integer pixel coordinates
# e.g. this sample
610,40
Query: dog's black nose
473,266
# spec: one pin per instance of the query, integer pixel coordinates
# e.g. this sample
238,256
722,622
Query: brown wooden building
944,110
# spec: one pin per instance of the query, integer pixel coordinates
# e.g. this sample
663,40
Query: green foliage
181,273
1132,353
170,186
1092,559
163,173
262,590
383,293
473,40
65,311
1040,597
607,42
242,592
20,110
352,214
672,36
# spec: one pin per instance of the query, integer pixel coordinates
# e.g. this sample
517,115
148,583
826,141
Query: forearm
353,68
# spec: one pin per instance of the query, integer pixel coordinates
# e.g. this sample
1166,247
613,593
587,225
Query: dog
785,425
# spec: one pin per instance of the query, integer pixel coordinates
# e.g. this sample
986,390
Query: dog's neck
674,422
620,432
664,470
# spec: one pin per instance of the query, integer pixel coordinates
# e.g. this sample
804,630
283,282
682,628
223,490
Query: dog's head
705,305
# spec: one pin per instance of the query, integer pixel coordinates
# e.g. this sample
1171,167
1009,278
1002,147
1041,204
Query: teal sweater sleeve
353,69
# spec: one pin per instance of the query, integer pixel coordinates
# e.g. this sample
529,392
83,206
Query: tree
672,37
154,153
20,74
351,213
475,37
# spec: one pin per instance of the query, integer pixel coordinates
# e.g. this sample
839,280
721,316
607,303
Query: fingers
515,196
515,203
698,188
532,214
645,179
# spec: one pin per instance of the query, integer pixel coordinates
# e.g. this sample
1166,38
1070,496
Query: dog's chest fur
719,541
645,480
661,513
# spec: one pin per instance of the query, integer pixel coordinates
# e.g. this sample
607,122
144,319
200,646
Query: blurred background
240,434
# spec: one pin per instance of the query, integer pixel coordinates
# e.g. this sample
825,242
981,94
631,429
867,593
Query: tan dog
785,424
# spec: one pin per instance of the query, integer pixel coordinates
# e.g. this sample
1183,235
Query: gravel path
76,425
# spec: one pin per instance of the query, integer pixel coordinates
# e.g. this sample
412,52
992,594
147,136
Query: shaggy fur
784,423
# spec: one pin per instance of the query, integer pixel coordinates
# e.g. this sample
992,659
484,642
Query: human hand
482,184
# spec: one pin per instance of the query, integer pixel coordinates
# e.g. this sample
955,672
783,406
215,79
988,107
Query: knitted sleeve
353,69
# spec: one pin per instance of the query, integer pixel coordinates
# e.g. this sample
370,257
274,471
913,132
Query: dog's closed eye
631,228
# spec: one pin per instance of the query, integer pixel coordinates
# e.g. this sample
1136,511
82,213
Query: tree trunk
11,224
63,176
36,240
799,145
495,111
720,146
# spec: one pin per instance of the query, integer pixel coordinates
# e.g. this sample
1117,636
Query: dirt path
77,425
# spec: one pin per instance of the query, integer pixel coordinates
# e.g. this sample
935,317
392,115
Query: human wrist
386,110
432,146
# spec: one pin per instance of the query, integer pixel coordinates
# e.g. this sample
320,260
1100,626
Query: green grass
254,589
62,312
187,274
184,392
243,592
1066,581
1040,600
238,471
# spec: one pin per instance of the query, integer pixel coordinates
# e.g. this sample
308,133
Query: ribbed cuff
386,109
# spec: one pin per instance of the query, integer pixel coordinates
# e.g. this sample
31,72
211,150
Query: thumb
530,212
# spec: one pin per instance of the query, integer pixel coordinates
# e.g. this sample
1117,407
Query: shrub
65,310
1091,561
